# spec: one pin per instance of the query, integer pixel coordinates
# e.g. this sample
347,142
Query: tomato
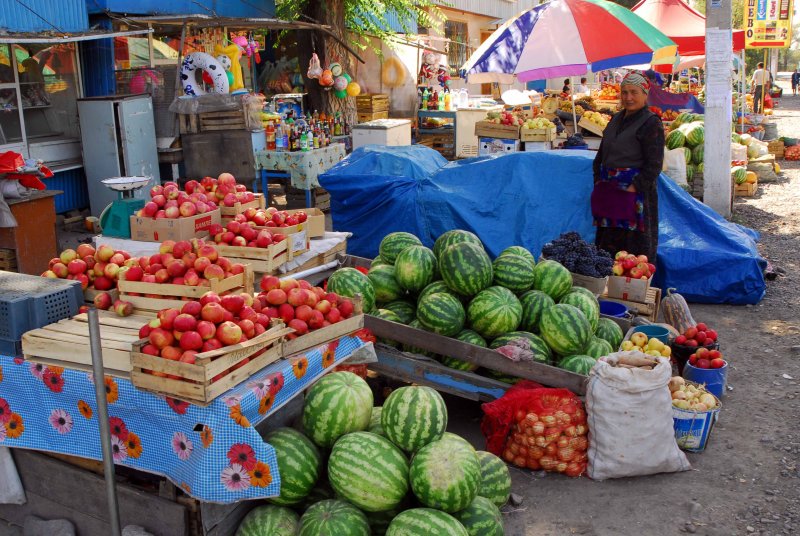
508,455
535,452
574,469
520,461
561,467
533,465
562,442
566,454
551,449
548,463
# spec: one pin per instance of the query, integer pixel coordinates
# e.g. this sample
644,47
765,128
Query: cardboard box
487,146
626,288
537,134
597,285
153,230
537,146
487,129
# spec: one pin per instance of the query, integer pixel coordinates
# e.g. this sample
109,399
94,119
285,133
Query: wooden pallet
648,309
8,260
66,343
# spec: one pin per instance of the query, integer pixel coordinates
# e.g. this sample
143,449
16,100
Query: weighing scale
115,219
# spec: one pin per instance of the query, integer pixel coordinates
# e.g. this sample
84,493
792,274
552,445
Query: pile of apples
504,118
271,217
193,263
697,336
104,301
236,233
652,346
689,396
199,197
538,123
300,305
98,269
633,266
707,359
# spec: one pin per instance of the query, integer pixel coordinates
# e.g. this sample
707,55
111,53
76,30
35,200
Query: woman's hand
631,188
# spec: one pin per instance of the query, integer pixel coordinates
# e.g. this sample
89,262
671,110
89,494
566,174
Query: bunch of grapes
579,256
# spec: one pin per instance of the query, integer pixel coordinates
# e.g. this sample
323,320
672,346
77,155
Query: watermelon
445,477
378,261
695,134
481,518
337,404
385,283
735,138
299,463
415,267
425,522
385,314
579,364
375,422
697,154
441,313
413,349
413,416
404,310
513,272
438,286
565,329
552,278
587,303
739,174
379,521
534,302
369,471
675,139
456,236
321,492
541,352
269,519
466,268
458,441
690,169
348,282
466,335
610,331
521,251
494,311
393,243
597,348
333,518
499,376
687,155
495,478
699,168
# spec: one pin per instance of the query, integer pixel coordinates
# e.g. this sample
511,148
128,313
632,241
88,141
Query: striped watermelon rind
519,250
321,492
427,522
404,310
597,348
481,517
468,336
369,471
565,329
385,314
339,403
494,311
458,441
541,352
348,282
445,477
378,261
675,139
436,287
333,518
383,280
579,364
415,268
379,521
456,236
533,302
610,331
393,243
269,519
441,313
495,478
414,416
587,303
375,422
299,463
513,272
552,278
466,268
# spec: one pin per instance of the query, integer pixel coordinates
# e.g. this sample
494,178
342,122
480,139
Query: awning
72,37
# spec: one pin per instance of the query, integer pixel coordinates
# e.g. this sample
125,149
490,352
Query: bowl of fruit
688,342
709,368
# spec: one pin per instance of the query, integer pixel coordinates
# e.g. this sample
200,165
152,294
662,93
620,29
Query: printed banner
768,23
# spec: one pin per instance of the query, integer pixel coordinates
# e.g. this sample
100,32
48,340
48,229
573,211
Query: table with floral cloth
213,453
304,167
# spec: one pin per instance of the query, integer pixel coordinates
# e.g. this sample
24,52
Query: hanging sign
768,23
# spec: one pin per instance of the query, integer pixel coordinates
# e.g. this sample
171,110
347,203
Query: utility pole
717,185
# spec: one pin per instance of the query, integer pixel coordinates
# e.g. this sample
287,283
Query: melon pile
359,470
688,131
456,290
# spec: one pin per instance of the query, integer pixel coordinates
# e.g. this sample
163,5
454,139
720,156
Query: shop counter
34,238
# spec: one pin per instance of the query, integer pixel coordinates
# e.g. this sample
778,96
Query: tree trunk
330,13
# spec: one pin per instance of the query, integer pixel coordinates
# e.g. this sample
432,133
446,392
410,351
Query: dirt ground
747,481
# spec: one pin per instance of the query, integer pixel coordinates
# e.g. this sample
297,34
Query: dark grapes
579,256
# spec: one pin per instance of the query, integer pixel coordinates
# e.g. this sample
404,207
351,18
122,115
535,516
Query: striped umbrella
568,38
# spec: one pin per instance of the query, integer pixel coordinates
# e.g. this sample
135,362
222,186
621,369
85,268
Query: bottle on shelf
309,139
433,102
448,100
423,99
285,139
279,142
270,134
440,104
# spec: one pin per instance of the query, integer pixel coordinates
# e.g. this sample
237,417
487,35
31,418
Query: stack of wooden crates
369,107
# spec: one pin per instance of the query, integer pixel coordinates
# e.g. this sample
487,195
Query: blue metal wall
73,184
97,63
223,8
66,15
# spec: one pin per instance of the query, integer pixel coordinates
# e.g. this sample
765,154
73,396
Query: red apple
213,312
76,266
206,329
297,297
270,282
680,339
191,340
286,312
209,297
229,333
332,297
303,313
333,316
317,318
149,349
104,253
717,363
144,331
701,326
161,338
192,308
323,306
211,345
300,327
162,275
167,317
103,283
276,296
691,333
703,363
184,322
103,301
189,356
214,271
232,302
208,251
346,308
85,250
248,327
134,273
123,308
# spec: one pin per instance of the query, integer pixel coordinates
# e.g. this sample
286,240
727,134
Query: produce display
690,396
504,117
495,479
599,119
664,115
333,518
707,359
607,92
579,256
633,266
336,405
481,517
698,335
97,269
413,417
676,311
270,217
445,475
269,519
650,346
299,463
244,235
538,123
425,521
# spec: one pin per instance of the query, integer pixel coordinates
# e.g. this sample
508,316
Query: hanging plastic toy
314,67
353,89
340,83
336,68
326,79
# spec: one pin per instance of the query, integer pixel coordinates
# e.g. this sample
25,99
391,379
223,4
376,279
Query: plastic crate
28,302
10,348
75,194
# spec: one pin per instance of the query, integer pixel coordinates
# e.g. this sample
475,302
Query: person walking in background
795,81
759,83
582,88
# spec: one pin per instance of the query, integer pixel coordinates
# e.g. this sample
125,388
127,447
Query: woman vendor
626,168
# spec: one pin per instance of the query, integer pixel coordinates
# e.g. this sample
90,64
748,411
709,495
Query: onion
699,407
675,383
566,454
708,400
538,428
678,395
681,404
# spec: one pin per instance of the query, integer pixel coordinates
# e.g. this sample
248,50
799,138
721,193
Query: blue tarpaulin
674,101
528,199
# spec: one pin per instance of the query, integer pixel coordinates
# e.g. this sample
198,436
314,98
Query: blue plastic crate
28,302
10,348
75,194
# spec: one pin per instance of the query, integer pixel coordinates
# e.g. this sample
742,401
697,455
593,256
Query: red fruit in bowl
717,363
714,354
691,333
703,363
711,334
691,342
680,339
700,337
693,359
701,326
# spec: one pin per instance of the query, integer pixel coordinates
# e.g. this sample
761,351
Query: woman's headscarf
638,80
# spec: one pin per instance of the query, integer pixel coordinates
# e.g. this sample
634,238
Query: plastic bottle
310,139
280,143
440,104
303,142
270,134
423,103
285,142
448,101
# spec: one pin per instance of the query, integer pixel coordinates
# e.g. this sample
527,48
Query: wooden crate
212,373
591,127
228,213
363,117
323,258
487,129
747,189
175,295
378,102
211,121
261,260
321,336
648,309
776,147
537,134
66,343
8,260
445,144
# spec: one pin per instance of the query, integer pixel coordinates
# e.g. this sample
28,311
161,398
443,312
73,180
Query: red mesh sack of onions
547,430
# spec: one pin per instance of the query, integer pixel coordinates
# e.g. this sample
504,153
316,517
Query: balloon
336,69
341,94
326,78
353,89
340,83
347,77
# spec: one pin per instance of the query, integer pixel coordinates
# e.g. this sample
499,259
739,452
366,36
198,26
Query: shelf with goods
437,129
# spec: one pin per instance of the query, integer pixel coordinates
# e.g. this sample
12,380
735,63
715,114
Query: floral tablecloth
213,453
303,167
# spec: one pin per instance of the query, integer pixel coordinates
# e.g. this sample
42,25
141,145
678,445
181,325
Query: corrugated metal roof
43,15
221,8
499,9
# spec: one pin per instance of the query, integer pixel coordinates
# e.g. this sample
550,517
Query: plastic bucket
653,332
680,354
692,428
610,308
713,379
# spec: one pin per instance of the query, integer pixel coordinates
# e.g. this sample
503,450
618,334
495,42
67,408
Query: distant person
759,81
566,88
795,81
582,87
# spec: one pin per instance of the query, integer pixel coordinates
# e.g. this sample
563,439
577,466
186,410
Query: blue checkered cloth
213,453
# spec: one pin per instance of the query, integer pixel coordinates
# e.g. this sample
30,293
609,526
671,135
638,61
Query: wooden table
34,238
